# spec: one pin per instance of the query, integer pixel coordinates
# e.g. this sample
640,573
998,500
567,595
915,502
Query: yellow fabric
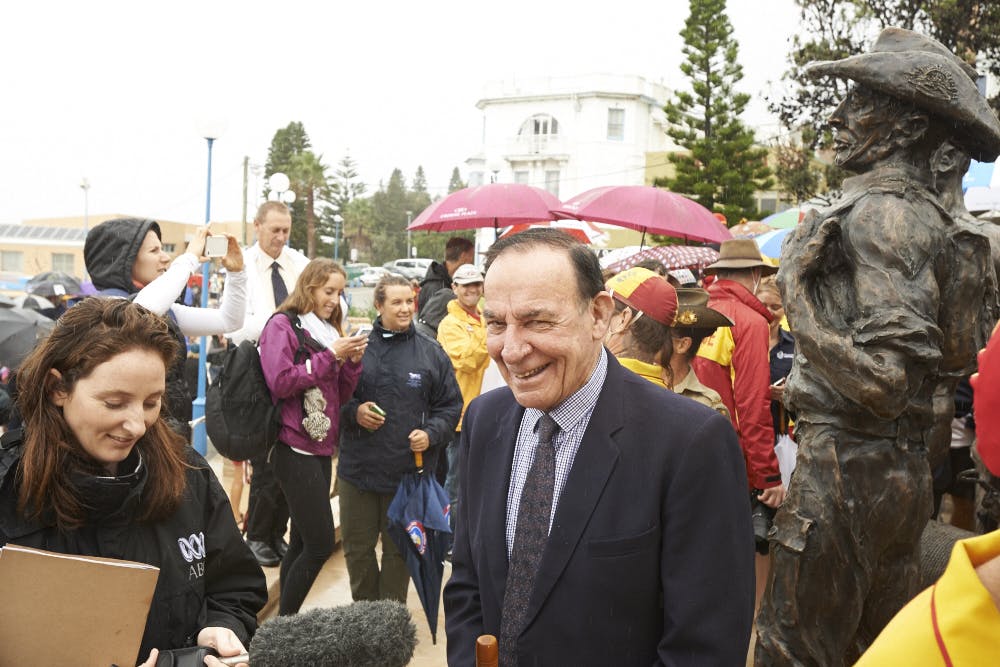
650,372
968,620
719,347
463,337
692,387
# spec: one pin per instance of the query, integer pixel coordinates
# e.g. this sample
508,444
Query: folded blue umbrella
418,525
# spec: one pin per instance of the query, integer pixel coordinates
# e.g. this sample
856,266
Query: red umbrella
671,257
646,209
495,205
584,232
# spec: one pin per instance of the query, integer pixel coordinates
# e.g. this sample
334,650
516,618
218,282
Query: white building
570,134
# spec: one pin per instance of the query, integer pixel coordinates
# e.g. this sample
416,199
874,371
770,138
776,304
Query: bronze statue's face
862,124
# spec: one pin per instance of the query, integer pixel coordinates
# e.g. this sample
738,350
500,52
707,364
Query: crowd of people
611,494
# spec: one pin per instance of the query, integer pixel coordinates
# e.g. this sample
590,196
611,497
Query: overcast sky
118,92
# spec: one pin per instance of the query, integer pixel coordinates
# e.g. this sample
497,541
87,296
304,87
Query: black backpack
241,419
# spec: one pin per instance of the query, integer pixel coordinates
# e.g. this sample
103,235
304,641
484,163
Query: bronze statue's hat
922,71
693,311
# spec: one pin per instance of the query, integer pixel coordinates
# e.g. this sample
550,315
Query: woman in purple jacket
311,392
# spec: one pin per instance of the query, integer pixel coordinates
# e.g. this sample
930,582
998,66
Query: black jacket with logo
208,577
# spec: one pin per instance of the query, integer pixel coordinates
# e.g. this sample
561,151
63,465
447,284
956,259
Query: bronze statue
887,298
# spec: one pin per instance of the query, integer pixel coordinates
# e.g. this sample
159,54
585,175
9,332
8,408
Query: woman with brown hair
97,472
311,386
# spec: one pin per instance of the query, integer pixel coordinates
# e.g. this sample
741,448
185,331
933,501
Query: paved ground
332,589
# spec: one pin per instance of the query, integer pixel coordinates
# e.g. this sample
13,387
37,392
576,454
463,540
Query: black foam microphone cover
362,634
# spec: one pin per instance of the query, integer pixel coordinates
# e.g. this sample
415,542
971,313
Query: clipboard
62,609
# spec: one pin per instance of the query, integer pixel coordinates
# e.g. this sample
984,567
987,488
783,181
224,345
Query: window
475,179
540,124
169,248
552,182
768,204
521,177
62,261
12,260
616,124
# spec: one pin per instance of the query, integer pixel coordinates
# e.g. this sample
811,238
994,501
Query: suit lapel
498,458
595,461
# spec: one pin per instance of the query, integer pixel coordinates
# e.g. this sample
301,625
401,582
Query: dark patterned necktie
531,534
278,285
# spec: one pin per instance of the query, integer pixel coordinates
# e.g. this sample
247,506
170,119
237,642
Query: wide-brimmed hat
922,71
646,292
693,311
740,254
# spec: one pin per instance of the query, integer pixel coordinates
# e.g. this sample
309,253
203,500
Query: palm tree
309,180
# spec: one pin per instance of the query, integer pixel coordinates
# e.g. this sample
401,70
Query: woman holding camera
406,401
96,472
311,384
125,258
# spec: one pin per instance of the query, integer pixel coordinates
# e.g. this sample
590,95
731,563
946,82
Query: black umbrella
53,283
20,330
418,521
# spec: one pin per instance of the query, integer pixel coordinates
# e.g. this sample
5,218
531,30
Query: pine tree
456,183
722,168
287,144
345,185
389,206
419,181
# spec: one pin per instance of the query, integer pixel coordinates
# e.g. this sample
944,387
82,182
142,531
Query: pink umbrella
646,209
495,205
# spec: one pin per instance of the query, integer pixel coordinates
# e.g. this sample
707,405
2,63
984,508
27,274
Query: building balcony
535,146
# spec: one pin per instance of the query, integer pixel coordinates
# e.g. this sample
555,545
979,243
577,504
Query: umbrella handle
418,458
487,651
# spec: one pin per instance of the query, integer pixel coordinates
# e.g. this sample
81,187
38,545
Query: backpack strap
306,342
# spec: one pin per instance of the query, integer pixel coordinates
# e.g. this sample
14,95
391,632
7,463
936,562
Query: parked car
354,270
415,268
371,275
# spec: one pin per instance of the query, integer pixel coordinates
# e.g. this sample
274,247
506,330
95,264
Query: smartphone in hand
216,245
363,330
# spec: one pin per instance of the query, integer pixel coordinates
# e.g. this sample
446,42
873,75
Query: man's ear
57,395
602,306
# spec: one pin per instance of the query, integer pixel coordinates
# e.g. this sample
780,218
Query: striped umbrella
671,257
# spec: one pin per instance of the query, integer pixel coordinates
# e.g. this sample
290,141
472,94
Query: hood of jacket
730,290
110,251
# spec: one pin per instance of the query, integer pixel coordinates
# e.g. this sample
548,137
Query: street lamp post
85,186
409,248
337,221
198,436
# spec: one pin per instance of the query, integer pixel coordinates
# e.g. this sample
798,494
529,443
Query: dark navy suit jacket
650,556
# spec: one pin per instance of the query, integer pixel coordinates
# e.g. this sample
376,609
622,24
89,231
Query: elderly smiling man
603,519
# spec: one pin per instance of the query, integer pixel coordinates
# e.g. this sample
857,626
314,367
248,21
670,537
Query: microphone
367,633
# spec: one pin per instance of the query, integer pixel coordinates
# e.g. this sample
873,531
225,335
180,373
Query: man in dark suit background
604,520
